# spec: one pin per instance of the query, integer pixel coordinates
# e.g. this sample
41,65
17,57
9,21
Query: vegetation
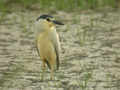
61,4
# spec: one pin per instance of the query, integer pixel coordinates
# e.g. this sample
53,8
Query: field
89,57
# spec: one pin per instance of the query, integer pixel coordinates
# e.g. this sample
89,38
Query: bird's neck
50,29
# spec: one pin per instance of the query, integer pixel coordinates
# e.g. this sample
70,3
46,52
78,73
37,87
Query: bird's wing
39,55
56,44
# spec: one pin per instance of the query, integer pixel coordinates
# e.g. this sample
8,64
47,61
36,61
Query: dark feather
57,59
48,64
45,16
37,50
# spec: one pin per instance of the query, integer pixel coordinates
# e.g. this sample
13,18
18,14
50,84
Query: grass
11,73
2,17
87,77
84,34
60,4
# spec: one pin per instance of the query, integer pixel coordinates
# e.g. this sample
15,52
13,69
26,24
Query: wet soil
89,58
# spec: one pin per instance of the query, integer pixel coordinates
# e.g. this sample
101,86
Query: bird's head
48,21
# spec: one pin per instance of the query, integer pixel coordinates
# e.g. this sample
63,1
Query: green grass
60,4
87,77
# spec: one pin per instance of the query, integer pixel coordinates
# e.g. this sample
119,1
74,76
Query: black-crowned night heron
48,45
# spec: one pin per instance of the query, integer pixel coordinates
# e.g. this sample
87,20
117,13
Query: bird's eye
48,19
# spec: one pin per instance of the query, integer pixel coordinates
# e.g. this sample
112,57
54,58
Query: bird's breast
45,45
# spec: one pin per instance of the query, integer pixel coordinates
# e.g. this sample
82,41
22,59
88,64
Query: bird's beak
57,22
38,18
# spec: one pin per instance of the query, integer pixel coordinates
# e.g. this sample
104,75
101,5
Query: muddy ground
89,59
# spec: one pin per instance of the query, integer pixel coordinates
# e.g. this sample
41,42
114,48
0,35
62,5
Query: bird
48,43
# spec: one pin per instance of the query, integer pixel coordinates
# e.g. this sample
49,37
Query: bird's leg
52,73
43,70
52,63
